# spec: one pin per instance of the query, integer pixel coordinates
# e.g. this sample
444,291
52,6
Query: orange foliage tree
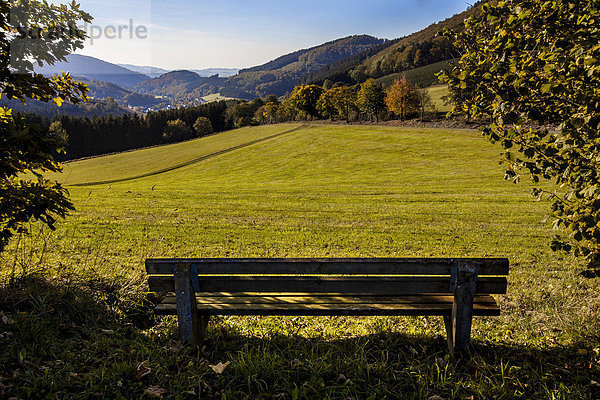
402,98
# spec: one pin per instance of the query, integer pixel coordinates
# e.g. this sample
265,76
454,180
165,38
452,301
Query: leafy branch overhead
532,64
42,33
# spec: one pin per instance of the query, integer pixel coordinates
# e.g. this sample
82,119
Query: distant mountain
174,84
275,77
222,72
152,72
155,72
103,90
93,68
279,76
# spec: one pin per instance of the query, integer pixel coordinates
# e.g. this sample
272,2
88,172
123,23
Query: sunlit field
297,191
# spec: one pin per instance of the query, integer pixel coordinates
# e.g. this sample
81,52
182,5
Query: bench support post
449,332
458,326
187,313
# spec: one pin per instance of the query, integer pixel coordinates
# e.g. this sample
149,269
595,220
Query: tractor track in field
192,161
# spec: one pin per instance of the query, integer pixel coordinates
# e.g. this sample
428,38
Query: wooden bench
456,289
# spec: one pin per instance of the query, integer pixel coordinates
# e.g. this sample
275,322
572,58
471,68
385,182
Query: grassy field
216,97
421,76
437,93
82,326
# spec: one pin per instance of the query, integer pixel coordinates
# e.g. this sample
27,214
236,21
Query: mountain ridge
94,68
278,76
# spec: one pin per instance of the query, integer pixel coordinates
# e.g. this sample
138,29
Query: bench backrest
381,276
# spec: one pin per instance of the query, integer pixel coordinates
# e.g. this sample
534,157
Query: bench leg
202,324
462,316
187,313
449,333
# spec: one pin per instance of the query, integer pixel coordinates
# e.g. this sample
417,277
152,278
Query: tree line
96,135
90,136
368,101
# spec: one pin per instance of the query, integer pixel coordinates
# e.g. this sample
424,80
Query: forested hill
309,59
175,84
275,77
417,50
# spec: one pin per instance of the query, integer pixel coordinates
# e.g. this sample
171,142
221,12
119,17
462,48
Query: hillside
417,50
275,77
420,49
152,72
93,68
174,84
281,75
222,72
420,76
103,90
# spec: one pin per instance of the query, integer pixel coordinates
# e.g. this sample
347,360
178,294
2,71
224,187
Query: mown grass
437,94
83,326
216,97
422,76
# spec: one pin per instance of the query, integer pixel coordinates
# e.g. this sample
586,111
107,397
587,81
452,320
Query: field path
192,161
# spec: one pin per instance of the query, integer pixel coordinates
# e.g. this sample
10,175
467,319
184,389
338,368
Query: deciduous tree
326,104
203,127
305,98
177,130
371,98
344,100
529,64
34,32
402,98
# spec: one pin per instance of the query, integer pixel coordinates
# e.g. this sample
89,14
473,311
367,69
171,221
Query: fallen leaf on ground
142,370
175,346
5,318
155,391
220,367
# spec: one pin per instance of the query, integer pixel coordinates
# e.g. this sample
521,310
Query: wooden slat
294,299
375,285
330,309
328,266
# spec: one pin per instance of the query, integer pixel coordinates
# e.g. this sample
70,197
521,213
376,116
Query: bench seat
454,288
294,304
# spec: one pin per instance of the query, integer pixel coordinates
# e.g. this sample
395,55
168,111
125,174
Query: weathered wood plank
187,313
463,309
329,309
331,266
300,284
292,299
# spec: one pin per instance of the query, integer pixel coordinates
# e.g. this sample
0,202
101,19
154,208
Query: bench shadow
422,360
102,331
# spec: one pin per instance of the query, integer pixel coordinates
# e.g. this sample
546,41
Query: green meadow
78,319
437,94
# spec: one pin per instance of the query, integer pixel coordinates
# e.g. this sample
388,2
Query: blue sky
235,33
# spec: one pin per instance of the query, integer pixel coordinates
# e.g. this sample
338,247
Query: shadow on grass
100,339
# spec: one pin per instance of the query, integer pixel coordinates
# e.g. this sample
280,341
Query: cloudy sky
178,34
